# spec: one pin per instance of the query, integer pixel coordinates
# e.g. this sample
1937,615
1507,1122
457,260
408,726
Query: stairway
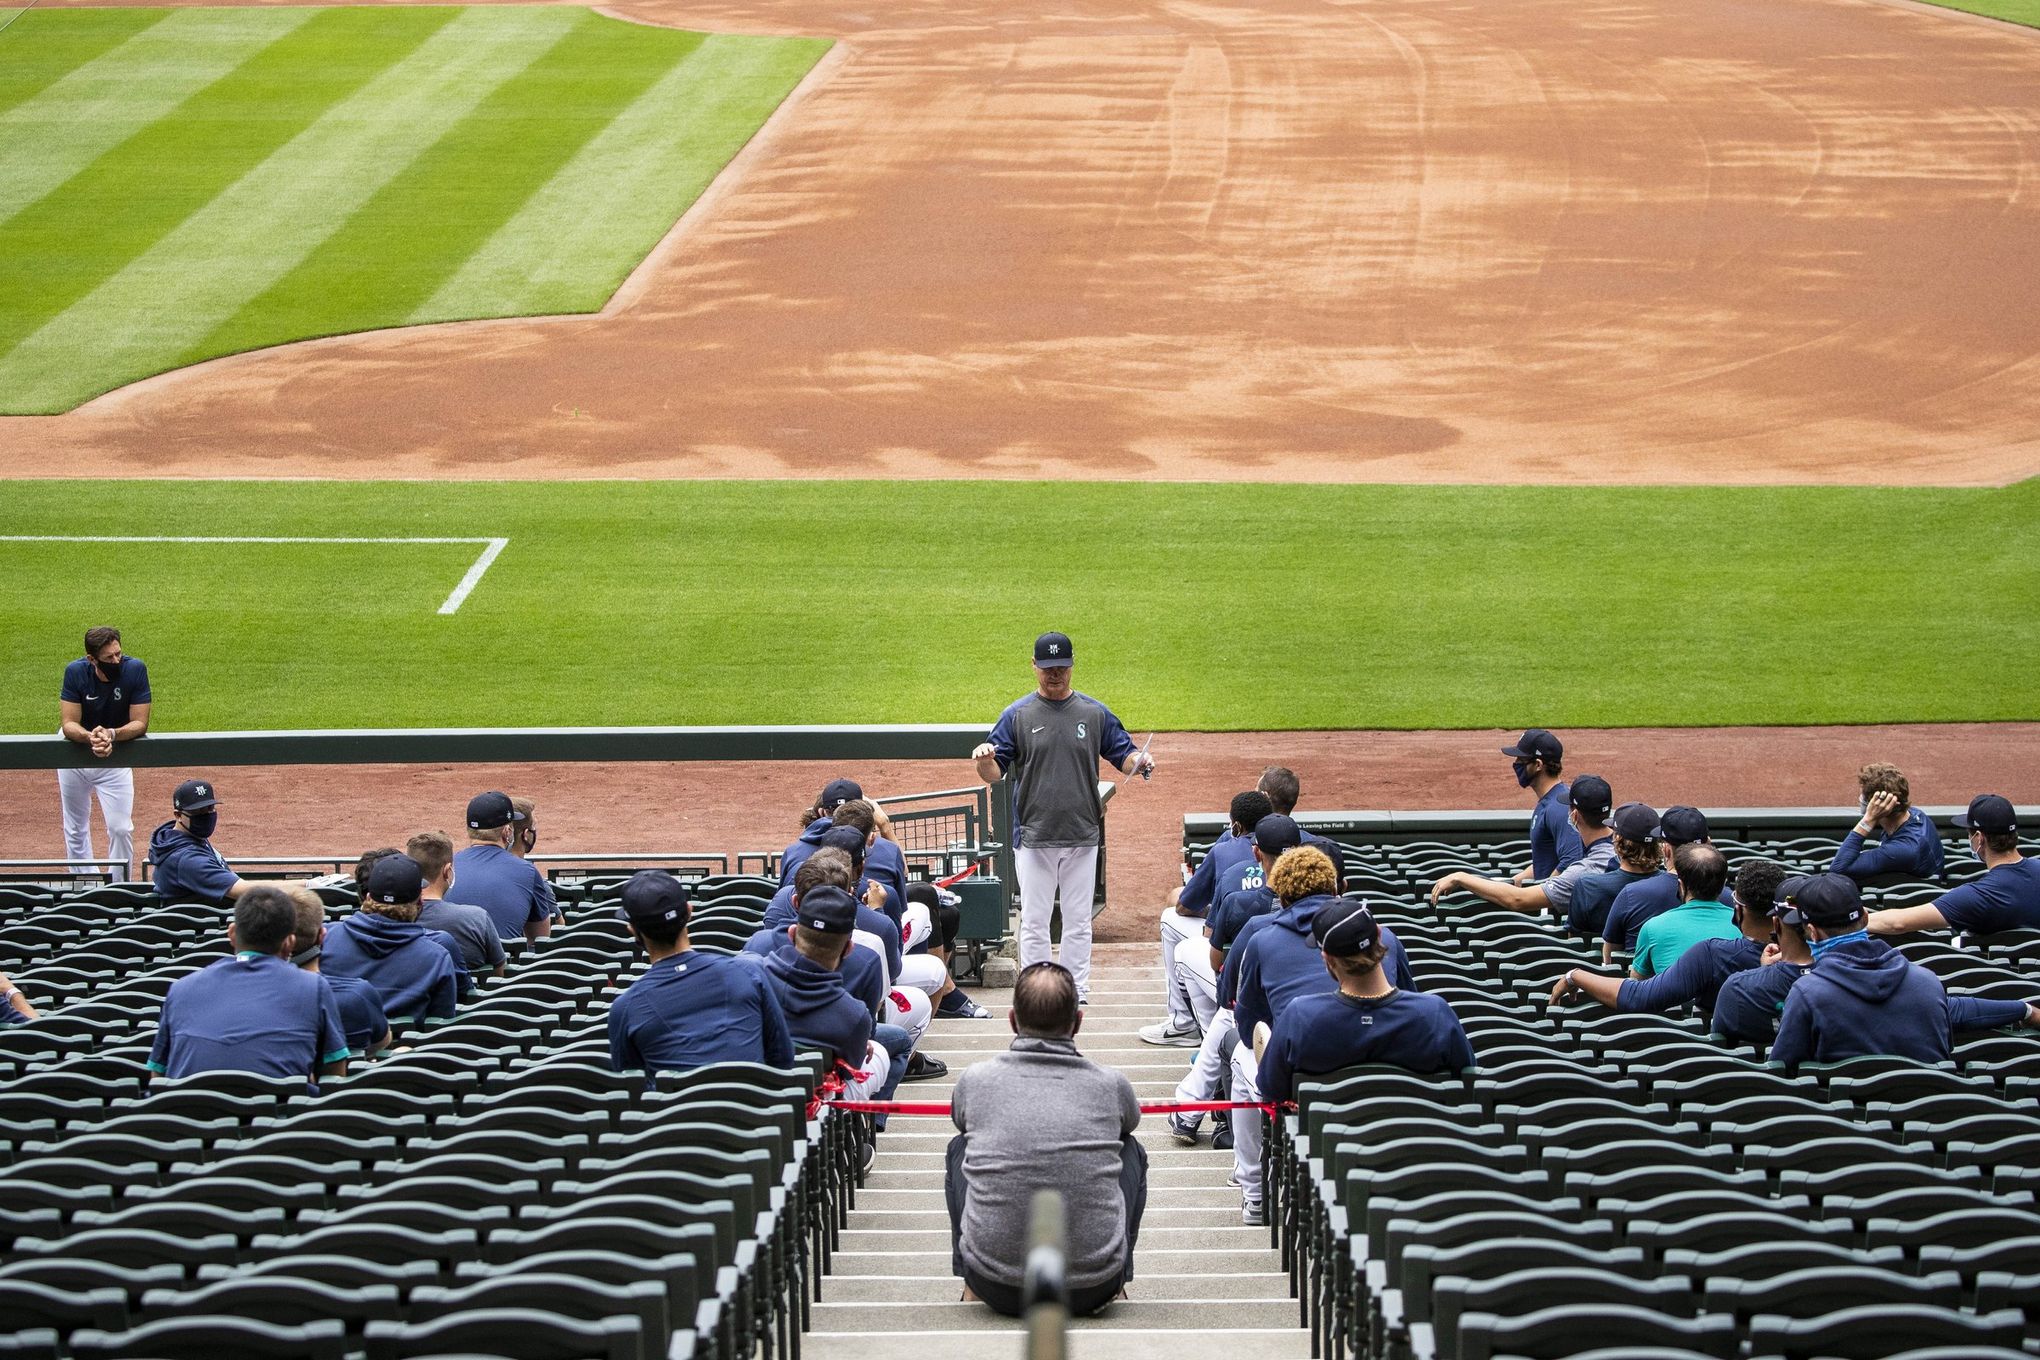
1203,1283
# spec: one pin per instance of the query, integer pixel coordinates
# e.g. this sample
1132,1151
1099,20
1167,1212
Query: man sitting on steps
1041,1116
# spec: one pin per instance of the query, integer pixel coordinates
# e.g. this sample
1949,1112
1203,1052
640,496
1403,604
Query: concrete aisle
1204,1283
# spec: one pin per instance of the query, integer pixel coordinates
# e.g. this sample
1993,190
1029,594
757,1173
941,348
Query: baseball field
1324,367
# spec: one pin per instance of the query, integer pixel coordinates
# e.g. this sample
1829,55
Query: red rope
906,1107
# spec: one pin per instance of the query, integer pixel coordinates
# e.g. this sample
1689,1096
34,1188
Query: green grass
1219,607
183,184
2011,11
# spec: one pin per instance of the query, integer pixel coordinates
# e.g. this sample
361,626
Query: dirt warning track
1399,240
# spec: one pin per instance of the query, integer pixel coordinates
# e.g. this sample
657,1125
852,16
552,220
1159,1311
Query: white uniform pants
1071,871
877,1062
1176,928
1196,980
115,785
1246,1124
909,1008
1201,1082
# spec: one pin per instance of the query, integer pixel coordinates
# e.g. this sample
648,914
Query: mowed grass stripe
36,51
154,313
98,106
646,169
188,158
455,196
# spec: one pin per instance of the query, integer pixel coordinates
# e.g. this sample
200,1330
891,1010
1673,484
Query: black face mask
108,672
203,822
1522,774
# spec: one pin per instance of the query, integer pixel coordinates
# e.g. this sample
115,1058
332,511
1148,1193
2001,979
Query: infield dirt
1405,240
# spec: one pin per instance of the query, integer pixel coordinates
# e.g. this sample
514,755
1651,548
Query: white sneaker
1252,1214
1166,1035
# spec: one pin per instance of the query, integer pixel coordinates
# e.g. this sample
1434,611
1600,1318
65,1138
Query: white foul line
492,547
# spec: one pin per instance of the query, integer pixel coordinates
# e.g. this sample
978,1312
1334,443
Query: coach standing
1050,742
105,700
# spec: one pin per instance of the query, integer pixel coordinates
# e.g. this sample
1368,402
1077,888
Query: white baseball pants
1176,928
1072,872
1246,1124
1196,980
1201,1081
115,785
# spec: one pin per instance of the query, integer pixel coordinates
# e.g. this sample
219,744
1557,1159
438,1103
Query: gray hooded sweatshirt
1041,1116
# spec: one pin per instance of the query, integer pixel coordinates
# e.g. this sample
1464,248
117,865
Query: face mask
1522,774
108,670
203,822
1821,947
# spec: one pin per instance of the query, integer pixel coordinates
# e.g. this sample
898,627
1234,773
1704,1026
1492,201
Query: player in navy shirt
361,1013
187,868
2007,897
1539,760
486,875
104,701
1639,854
1367,1020
253,1012
415,970
1183,922
689,1009
1908,844
1862,997
820,1013
841,870
1658,894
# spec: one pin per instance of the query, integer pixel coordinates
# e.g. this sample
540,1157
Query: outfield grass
182,184
2011,11
1215,607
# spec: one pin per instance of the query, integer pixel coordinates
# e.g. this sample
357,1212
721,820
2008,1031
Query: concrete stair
1204,1283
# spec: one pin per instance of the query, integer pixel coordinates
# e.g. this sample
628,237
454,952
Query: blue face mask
1821,947
203,822
1522,774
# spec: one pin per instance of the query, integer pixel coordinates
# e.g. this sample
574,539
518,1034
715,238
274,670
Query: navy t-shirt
1203,889
251,1013
511,890
692,1009
105,703
2005,898
1234,910
1915,848
1587,914
1748,1004
1553,842
1319,1034
361,1012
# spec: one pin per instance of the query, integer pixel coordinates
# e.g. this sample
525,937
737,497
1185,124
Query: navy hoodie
1279,961
863,970
1863,997
884,864
819,1012
410,966
188,869
779,914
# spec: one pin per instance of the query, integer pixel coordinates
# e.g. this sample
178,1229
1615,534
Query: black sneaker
921,1067
957,1006
1221,1139
867,1152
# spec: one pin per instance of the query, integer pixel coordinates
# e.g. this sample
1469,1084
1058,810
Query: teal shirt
1665,937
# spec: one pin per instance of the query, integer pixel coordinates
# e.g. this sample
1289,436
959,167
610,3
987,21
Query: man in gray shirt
1050,742
1041,1116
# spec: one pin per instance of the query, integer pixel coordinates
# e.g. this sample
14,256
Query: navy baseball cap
1830,901
1343,927
838,791
653,895
848,839
1781,897
1275,833
1988,812
193,795
1683,825
394,880
486,811
1537,744
827,909
1592,796
1638,822
1052,650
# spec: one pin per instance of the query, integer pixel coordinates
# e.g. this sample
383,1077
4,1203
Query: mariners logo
1080,731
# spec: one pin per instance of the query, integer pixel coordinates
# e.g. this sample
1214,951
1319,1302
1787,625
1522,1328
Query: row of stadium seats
489,1185
1625,1181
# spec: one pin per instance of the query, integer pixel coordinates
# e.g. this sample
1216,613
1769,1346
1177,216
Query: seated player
1861,996
252,1012
1659,893
413,969
1367,1020
185,865
1700,915
1042,1116
1907,846
1225,870
945,915
2007,897
14,1007
872,913
1587,803
807,980
688,1009
487,875
361,1012
472,928
1639,856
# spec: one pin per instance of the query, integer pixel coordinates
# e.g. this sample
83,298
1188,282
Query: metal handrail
1045,1284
